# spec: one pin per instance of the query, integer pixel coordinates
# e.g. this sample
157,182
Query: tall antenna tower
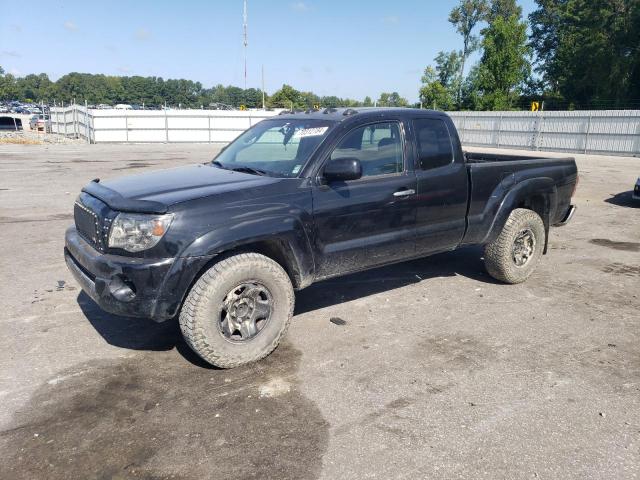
244,28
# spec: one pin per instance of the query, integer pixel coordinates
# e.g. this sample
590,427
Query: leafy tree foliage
433,94
504,67
448,66
392,100
111,90
465,17
440,84
589,50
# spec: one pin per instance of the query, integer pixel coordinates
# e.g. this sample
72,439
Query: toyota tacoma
298,198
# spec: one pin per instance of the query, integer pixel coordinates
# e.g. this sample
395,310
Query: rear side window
434,143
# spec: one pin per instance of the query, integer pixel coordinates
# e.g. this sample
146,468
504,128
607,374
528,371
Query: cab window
434,143
377,146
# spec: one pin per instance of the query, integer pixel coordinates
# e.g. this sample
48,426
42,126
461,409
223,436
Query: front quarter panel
281,215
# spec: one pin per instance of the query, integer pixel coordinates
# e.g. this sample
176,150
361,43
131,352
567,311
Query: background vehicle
300,198
40,122
636,191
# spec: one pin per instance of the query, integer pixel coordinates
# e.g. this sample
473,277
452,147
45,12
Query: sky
348,48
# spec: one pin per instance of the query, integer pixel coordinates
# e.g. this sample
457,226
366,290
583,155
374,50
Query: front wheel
238,310
513,256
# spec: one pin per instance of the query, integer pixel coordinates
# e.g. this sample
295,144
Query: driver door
369,221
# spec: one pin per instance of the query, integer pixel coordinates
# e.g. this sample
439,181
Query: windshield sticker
296,169
310,132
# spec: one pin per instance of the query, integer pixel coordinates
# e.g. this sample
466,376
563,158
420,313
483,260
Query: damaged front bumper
130,286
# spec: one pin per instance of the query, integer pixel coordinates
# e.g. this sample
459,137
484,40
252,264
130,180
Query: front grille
87,224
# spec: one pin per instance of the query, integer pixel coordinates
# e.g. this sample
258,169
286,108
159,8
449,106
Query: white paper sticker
310,132
296,169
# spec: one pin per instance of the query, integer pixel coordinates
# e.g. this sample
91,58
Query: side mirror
342,170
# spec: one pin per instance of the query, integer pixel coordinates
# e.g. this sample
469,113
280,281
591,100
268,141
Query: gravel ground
37,138
429,368
32,137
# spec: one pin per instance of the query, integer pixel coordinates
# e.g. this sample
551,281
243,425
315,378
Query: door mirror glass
343,169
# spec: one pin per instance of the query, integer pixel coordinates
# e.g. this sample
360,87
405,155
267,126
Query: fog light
122,289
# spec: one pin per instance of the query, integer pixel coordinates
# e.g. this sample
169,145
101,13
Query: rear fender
521,195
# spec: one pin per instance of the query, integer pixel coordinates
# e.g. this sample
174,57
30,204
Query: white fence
612,132
151,126
598,132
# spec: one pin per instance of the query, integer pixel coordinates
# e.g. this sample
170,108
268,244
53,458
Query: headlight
136,232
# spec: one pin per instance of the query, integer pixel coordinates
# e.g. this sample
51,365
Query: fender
287,232
541,186
486,227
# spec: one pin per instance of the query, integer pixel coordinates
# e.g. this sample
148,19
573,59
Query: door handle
405,193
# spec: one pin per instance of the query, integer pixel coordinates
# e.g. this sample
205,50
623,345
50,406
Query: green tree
588,50
392,100
330,101
287,97
465,17
505,64
367,102
448,66
433,94
503,8
8,86
34,87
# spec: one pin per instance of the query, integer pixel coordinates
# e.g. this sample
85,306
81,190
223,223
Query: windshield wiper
218,164
253,171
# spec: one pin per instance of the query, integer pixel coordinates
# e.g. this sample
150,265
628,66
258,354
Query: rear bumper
129,286
567,218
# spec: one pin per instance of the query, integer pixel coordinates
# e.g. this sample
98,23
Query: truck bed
493,177
478,157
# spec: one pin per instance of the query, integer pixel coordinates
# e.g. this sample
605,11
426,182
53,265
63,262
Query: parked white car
40,122
123,106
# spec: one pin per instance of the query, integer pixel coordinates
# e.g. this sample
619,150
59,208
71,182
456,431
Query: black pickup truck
298,198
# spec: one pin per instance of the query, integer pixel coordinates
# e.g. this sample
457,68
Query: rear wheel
238,310
513,256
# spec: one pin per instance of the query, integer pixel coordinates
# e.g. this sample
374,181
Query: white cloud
15,72
391,19
10,53
142,34
70,26
124,69
299,6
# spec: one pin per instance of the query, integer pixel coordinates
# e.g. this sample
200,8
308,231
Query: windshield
277,147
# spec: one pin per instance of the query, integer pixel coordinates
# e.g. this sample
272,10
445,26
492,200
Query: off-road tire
498,255
202,307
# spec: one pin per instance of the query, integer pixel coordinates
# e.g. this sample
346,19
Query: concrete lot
438,371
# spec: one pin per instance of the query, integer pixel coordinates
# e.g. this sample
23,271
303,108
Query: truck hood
154,192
